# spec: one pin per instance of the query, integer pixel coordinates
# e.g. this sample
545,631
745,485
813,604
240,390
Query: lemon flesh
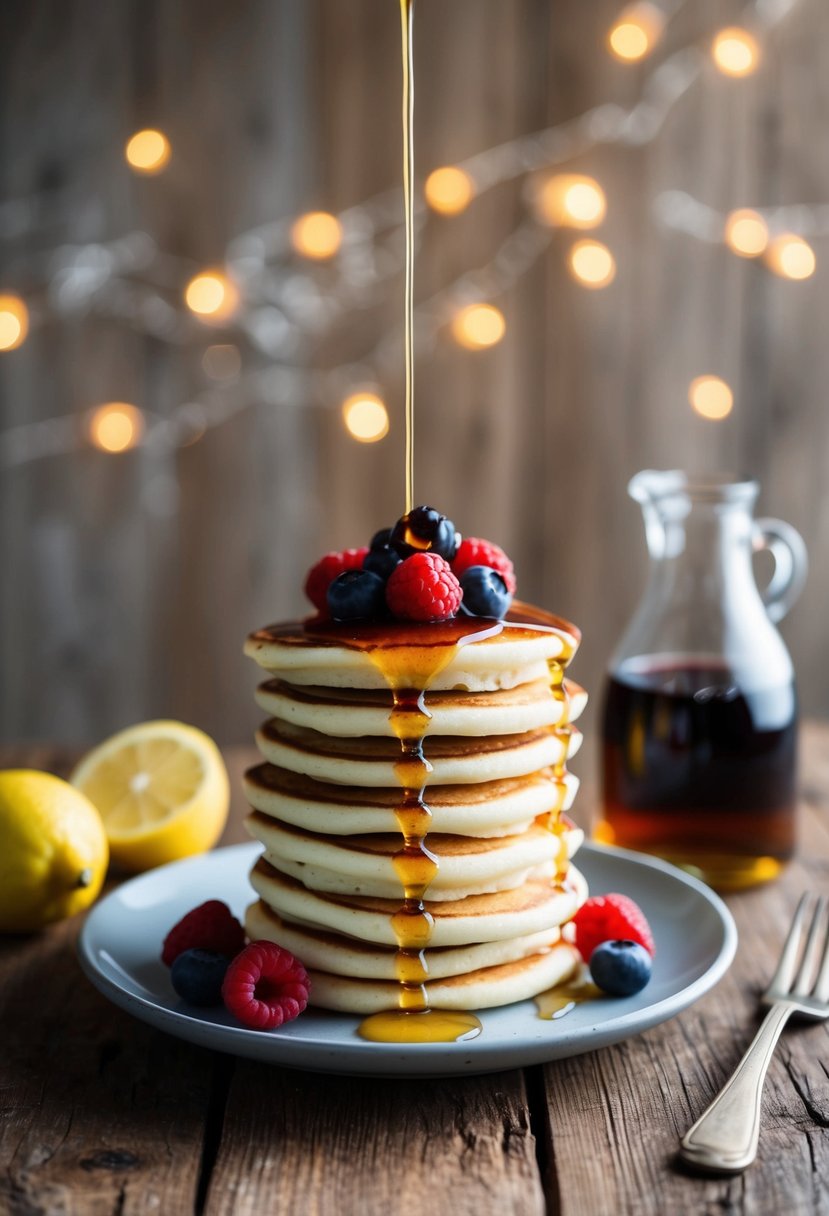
162,791
53,850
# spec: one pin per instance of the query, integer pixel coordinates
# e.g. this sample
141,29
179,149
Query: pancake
477,655
535,906
482,989
364,865
328,951
491,808
350,712
372,761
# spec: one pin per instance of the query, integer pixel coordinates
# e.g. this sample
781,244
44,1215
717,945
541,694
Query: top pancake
474,654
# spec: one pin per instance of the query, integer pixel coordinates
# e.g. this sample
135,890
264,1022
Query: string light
222,362
366,417
791,257
116,426
746,233
592,264
317,235
478,326
14,322
449,190
571,200
148,151
636,32
736,52
212,296
711,397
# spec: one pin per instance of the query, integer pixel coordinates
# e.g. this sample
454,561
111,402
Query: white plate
121,940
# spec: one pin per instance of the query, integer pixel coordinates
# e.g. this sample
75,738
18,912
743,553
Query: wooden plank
331,1145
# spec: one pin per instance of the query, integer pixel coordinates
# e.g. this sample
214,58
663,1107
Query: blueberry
382,561
620,968
197,976
356,595
424,528
381,539
484,592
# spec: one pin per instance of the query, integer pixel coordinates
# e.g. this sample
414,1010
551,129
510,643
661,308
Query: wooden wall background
112,612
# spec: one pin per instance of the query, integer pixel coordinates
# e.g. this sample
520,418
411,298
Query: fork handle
724,1138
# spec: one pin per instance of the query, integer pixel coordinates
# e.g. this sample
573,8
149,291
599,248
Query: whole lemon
53,850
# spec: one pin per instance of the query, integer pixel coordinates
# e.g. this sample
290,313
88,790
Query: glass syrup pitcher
699,724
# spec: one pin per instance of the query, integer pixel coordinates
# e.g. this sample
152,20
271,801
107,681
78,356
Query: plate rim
363,1058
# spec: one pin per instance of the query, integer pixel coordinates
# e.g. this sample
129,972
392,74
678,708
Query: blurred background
181,330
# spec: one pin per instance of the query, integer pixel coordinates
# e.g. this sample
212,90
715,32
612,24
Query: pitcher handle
791,564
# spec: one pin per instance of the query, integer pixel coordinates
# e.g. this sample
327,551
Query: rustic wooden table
101,1114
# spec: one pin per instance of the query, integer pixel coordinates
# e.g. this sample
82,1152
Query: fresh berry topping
382,561
423,588
356,595
197,976
620,968
321,576
605,918
476,552
381,539
265,986
484,592
211,926
424,529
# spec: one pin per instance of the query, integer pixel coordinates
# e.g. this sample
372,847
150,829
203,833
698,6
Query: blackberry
424,529
484,592
357,595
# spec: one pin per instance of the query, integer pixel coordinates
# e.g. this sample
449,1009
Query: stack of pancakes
496,732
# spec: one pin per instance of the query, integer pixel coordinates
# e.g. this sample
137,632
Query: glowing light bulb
365,416
317,235
14,322
116,426
478,326
571,200
212,296
148,151
636,32
746,233
711,397
449,190
592,264
791,257
735,51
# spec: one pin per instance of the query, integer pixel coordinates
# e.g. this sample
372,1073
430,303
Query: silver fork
724,1138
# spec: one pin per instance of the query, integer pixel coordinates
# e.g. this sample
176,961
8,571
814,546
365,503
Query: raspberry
476,552
265,986
605,918
211,926
423,588
321,576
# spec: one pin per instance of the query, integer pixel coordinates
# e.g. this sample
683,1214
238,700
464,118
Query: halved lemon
161,789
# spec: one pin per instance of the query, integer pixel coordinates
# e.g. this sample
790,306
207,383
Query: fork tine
821,989
808,966
782,978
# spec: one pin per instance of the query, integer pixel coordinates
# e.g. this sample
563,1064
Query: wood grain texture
333,1145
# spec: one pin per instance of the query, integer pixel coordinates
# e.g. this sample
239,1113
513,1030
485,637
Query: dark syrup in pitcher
700,770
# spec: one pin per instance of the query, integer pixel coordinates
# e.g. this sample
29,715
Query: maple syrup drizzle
406,24
409,672
559,1001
